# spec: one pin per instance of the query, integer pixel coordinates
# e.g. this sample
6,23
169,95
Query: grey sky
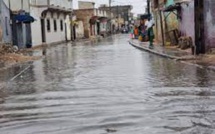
138,5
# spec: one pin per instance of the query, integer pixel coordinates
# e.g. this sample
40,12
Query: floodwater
106,87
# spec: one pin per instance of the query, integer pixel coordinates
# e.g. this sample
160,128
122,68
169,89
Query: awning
172,8
74,22
182,1
25,18
144,16
93,20
103,19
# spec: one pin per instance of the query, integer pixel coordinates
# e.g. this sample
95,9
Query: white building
52,19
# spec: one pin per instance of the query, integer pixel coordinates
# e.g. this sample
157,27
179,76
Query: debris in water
111,130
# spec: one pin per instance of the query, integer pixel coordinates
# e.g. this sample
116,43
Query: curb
154,52
180,59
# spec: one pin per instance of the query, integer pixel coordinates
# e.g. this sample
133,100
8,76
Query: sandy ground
10,56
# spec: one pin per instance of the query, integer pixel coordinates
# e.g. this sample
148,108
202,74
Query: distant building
85,5
94,20
122,13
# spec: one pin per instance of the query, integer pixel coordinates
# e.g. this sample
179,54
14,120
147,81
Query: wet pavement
106,87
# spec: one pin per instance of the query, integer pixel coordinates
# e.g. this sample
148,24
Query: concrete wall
85,15
36,26
85,5
39,2
187,22
157,27
79,30
172,19
16,5
5,23
62,3
51,36
55,36
209,23
67,4
68,27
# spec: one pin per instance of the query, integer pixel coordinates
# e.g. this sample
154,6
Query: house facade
194,19
53,21
94,21
122,14
35,22
5,28
20,22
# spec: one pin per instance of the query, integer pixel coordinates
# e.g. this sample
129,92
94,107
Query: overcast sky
138,5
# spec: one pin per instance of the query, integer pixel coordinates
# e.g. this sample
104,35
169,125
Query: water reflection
92,87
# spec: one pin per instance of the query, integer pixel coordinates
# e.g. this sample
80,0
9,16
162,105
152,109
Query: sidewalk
206,61
162,51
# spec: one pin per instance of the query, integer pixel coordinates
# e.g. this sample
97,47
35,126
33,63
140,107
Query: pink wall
209,20
186,25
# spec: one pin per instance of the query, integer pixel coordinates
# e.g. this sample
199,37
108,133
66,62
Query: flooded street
106,87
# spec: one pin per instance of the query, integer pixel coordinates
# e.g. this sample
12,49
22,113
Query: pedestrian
131,32
136,32
150,31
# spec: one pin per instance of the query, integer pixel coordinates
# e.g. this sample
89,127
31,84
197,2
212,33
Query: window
48,25
61,25
6,25
55,25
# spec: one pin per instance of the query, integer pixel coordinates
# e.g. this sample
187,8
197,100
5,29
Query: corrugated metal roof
182,1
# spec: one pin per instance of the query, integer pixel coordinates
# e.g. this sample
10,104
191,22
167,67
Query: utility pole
110,15
148,6
71,20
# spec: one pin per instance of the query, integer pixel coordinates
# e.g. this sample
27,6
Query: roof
182,1
25,18
172,8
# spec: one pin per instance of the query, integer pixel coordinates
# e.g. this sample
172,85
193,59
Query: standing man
150,31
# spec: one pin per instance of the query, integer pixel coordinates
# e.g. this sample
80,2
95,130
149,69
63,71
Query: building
20,21
121,13
40,21
52,23
166,21
85,5
78,28
5,27
94,20
194,19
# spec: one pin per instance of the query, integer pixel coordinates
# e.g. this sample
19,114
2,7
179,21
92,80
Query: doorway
43,30
199,27
98,28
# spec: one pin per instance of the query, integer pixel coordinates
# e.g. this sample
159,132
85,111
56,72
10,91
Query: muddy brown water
106,87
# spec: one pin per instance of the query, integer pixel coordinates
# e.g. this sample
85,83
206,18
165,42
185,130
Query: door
43,30
20,37
74,32
199,27
98,28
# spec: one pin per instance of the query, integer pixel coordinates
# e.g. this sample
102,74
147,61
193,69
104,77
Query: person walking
136,32
150,31
131,32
